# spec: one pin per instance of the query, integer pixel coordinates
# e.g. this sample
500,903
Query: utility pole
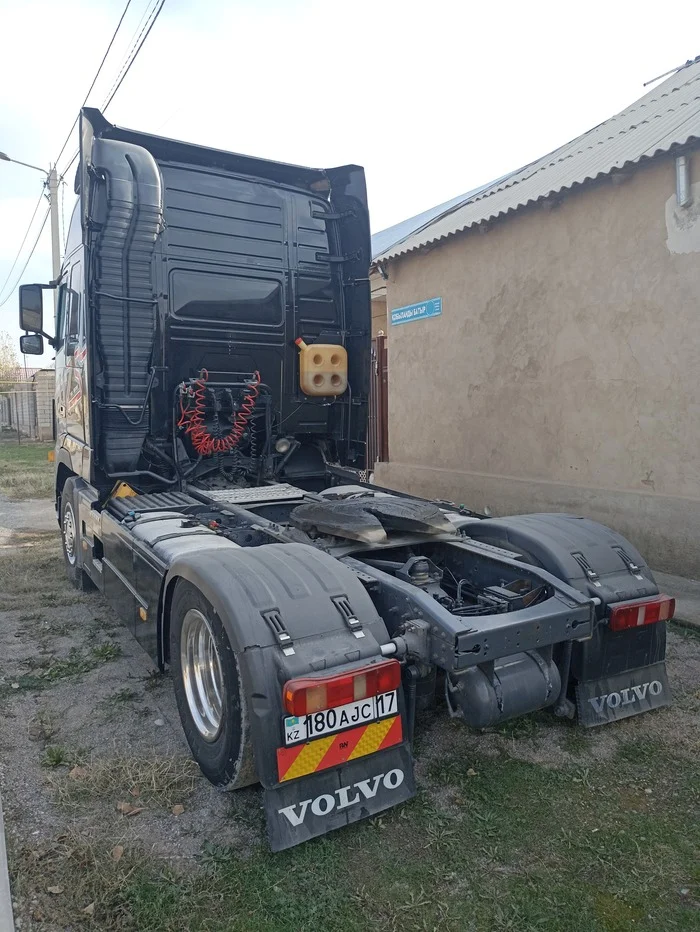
52,182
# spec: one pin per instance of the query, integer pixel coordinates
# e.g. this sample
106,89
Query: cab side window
72,318
61,315
69,321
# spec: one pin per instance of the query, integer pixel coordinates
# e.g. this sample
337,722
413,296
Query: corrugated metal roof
385,239
667,116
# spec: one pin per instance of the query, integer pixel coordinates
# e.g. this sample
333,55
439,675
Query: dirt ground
110,825
86,722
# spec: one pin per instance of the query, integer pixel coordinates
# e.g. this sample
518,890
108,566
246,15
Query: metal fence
27,411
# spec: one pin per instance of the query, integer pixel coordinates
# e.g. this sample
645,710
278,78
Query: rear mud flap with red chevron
610,698
321,802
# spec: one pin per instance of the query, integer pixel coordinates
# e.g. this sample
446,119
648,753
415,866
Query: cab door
70,365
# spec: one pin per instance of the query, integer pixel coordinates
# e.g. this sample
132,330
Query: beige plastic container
323,368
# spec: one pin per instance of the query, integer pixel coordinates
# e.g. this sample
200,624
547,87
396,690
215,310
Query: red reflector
312,694
634,614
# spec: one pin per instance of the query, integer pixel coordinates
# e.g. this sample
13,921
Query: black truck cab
181,259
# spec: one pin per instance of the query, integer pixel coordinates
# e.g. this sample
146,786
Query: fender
285,610
589,556
598,562
63,458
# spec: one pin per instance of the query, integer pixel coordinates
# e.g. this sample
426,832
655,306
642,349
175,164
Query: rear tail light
313,694
634,614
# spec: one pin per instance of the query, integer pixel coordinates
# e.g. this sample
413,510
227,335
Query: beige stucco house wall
564,372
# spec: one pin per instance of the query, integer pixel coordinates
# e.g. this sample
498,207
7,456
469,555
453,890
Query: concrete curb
687,595
7,923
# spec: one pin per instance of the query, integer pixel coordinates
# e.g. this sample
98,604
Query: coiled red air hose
192,418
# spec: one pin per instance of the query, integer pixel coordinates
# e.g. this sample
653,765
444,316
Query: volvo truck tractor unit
212,342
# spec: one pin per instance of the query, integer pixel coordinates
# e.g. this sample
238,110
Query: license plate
306,727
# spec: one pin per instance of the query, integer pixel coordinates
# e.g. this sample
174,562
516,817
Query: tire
212,706
70,538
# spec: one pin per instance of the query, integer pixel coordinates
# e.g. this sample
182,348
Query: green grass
123,695
49,669
32,573
25,471
33,577
56,756
610,847
158,780
491,843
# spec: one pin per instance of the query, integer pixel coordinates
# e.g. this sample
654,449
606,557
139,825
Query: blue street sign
403,315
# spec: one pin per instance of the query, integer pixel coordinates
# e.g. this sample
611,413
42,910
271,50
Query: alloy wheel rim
69,534
201,674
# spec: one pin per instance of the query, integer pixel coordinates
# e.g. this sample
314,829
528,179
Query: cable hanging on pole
21,246
94,81
148,19
145,16
24,267
135,49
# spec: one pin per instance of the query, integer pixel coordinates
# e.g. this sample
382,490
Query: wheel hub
201,674
69,534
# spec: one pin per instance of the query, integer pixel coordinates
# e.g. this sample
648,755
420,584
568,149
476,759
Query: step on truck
212,341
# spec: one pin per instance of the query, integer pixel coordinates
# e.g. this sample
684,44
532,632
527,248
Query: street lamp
6,158
52,184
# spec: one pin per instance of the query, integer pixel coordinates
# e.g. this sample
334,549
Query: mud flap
311,806
610,698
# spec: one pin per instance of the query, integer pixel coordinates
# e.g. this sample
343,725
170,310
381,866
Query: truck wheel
208,690
70,538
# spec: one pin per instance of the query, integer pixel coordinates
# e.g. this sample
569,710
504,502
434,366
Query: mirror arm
52,341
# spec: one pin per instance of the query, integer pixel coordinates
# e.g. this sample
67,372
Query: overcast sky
433,98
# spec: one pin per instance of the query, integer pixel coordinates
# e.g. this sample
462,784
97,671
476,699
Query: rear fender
625,670
279,606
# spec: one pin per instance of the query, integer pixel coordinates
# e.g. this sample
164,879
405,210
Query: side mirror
31,308
31,344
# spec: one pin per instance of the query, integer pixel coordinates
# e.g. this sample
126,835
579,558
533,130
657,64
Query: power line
65,143
130,60
21,245
135,36
126,67
94,80
24,267
146,15
74,157
63,214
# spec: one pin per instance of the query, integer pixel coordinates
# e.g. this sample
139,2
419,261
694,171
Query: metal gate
378,427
